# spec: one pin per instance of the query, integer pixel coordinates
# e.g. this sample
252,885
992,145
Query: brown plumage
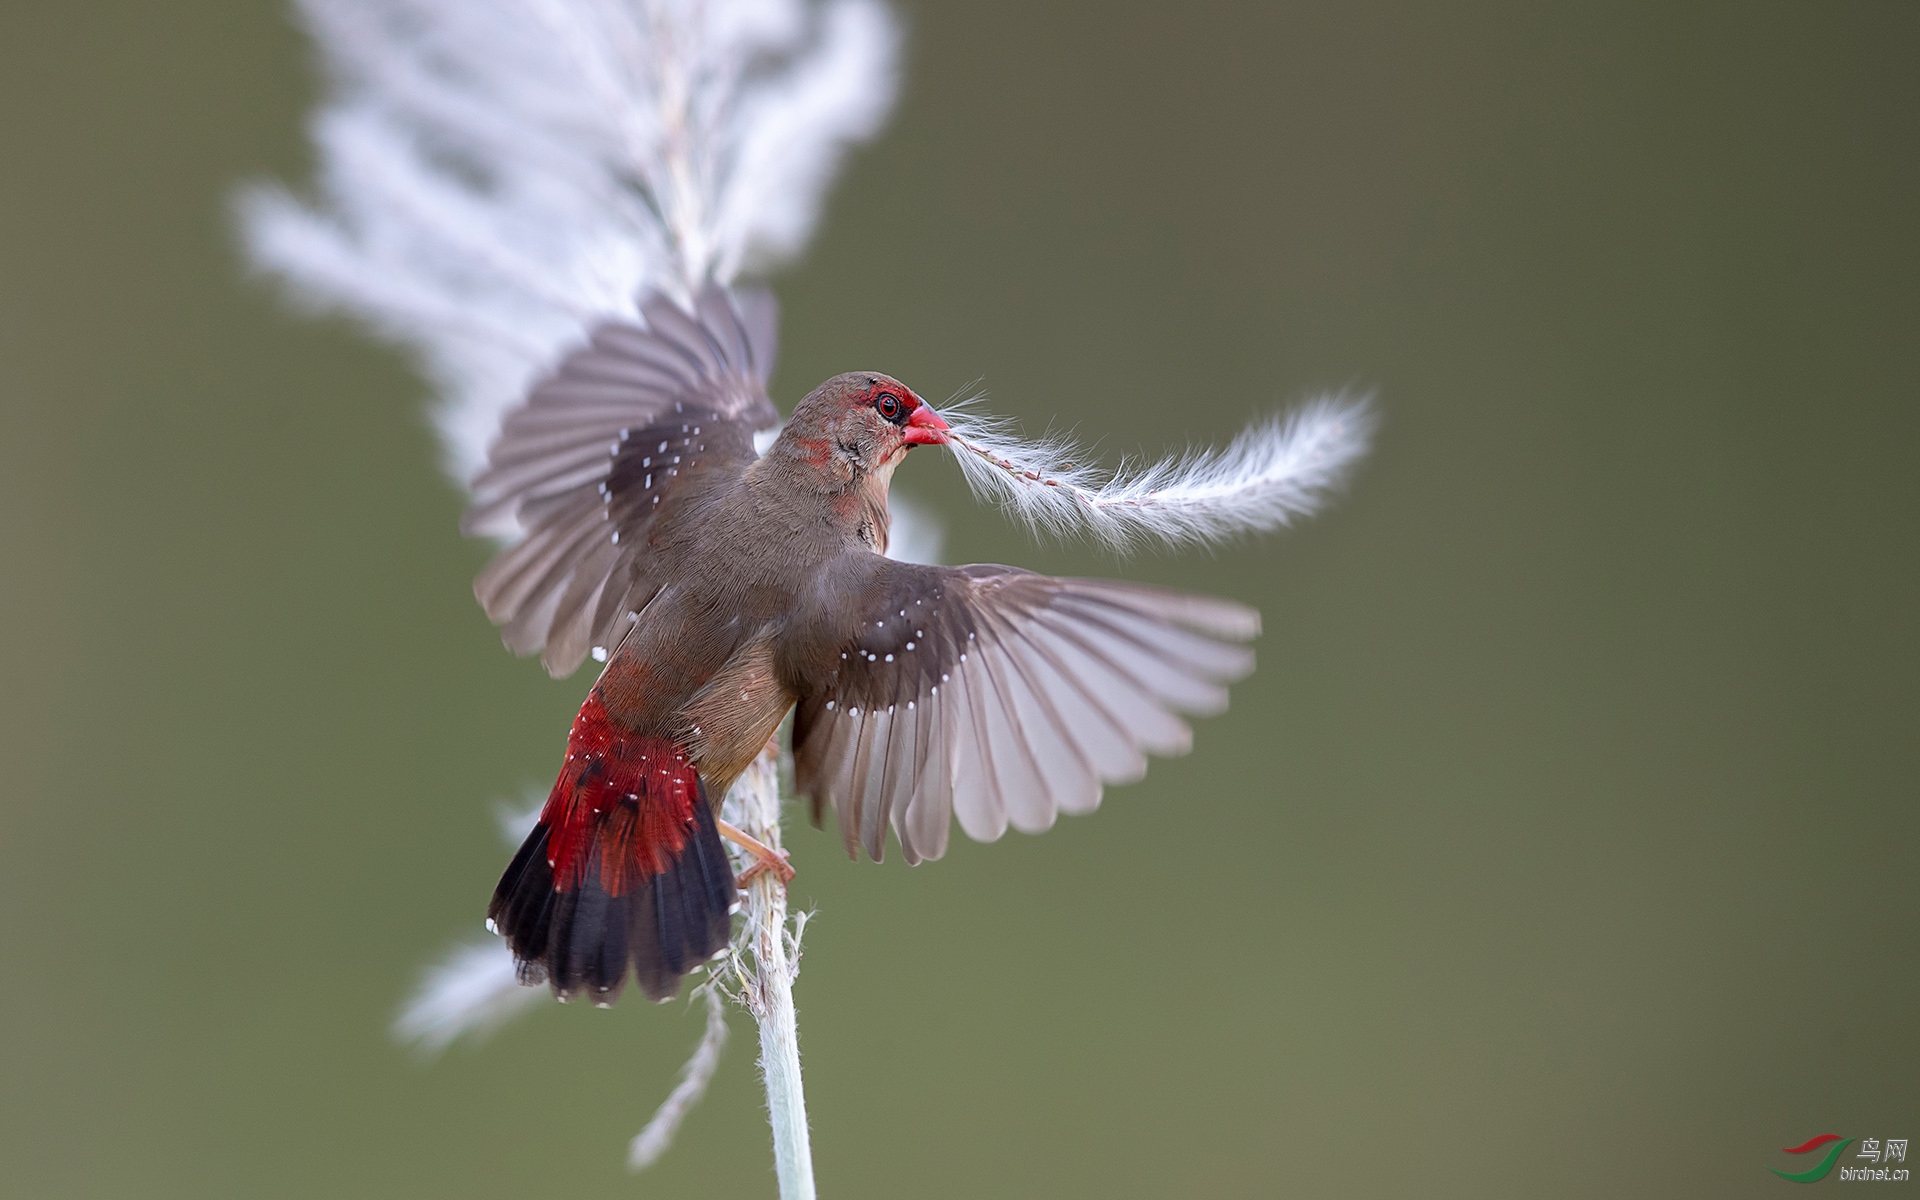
725,589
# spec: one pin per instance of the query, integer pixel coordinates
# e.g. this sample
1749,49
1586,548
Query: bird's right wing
622,424
997,696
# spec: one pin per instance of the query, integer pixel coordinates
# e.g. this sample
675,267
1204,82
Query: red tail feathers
627,798
624,867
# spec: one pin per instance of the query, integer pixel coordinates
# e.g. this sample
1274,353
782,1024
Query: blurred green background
1563,844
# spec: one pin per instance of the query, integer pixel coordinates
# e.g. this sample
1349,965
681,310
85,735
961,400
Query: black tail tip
583,942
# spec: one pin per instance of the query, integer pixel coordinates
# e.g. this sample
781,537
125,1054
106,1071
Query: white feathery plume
516,821
473,990
476,988
657,1137
1275,471
497,176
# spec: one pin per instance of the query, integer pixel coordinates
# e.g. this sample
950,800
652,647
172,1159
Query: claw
777,866
766,858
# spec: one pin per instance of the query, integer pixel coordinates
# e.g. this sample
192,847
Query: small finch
724,588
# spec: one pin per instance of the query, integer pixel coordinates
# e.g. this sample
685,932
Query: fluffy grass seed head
1275,471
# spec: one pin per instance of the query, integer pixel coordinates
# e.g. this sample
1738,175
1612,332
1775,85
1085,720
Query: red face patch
897,405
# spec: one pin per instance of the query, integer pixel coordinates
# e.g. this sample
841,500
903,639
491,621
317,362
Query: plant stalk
769,987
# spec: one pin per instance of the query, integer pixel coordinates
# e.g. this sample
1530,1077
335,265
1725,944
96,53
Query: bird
723,589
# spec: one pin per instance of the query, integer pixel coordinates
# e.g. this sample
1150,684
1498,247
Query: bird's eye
889,407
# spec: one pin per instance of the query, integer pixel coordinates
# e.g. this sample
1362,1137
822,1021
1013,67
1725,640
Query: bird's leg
766,858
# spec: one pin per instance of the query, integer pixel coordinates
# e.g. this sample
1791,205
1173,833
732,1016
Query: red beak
925,428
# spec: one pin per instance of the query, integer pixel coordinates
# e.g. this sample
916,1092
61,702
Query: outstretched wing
1000,697
635,416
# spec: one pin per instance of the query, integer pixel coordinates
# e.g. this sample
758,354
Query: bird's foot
765,857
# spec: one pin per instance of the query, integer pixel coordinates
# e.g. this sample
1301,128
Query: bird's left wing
997,696
581,468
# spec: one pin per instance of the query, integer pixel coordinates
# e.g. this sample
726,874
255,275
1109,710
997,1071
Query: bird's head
858,426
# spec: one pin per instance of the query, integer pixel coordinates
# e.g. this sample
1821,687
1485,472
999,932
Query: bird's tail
624,869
